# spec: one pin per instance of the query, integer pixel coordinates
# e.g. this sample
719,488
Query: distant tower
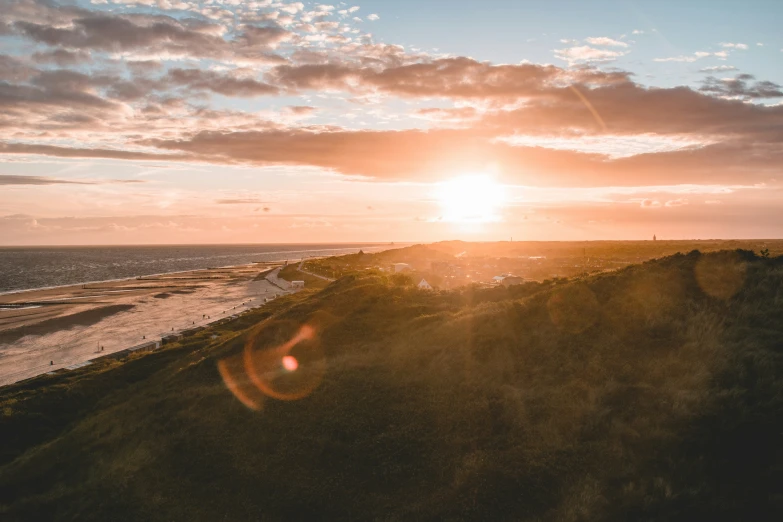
655,238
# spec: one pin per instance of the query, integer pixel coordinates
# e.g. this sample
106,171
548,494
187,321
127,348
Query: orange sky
288,122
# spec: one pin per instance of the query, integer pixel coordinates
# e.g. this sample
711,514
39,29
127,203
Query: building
297,284
424,285
512,280
401,267
508,280
170,339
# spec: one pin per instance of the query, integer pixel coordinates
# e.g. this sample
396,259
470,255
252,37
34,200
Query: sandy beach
47,329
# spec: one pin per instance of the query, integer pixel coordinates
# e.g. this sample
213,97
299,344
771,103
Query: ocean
25,268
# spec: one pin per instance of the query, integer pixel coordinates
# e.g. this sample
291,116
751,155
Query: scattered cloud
301,110
373,17
741,46
238,201
17,179
127,105
718,68
205,80
742,86
687,58
603,40
6,179
585,53
62,57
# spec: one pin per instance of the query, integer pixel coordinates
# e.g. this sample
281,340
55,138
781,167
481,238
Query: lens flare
720,275
290,363
288,371
574,308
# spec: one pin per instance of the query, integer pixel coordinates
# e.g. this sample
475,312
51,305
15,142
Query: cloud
68,152
144,110
718,68
456,114
6,179
741,46
447,77
740,140
264,36
301,110
15,70
585,53
226,85
373,17
437,154
741,87
15,179
73,29
238,201
676,203
62,57
118,34
681,58
606,41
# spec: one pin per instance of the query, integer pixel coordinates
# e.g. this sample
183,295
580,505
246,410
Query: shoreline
75,332
121,279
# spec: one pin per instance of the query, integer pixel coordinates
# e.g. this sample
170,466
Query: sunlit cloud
254,113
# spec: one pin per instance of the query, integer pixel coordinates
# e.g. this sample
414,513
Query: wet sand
69,325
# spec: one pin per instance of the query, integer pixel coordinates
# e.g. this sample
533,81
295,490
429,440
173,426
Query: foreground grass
652,393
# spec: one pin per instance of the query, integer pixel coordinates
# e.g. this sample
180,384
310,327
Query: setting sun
473,198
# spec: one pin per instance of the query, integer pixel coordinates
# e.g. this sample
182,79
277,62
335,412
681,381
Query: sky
232,121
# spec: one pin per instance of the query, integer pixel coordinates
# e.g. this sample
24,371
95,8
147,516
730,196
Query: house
424,285
169,339
145,347
401,267
512,280
297,284
508,280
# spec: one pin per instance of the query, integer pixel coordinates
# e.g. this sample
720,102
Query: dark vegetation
650,393
450,264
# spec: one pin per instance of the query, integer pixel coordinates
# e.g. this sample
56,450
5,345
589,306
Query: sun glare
473,198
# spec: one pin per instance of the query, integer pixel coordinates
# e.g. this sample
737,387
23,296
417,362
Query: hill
651,393
451,264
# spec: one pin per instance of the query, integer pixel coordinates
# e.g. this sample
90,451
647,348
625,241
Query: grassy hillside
651,393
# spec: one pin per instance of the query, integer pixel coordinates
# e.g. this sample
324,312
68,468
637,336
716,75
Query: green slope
652,393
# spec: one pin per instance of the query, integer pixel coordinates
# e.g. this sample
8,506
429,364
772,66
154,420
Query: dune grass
651,393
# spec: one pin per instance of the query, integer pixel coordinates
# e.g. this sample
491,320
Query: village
452,264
